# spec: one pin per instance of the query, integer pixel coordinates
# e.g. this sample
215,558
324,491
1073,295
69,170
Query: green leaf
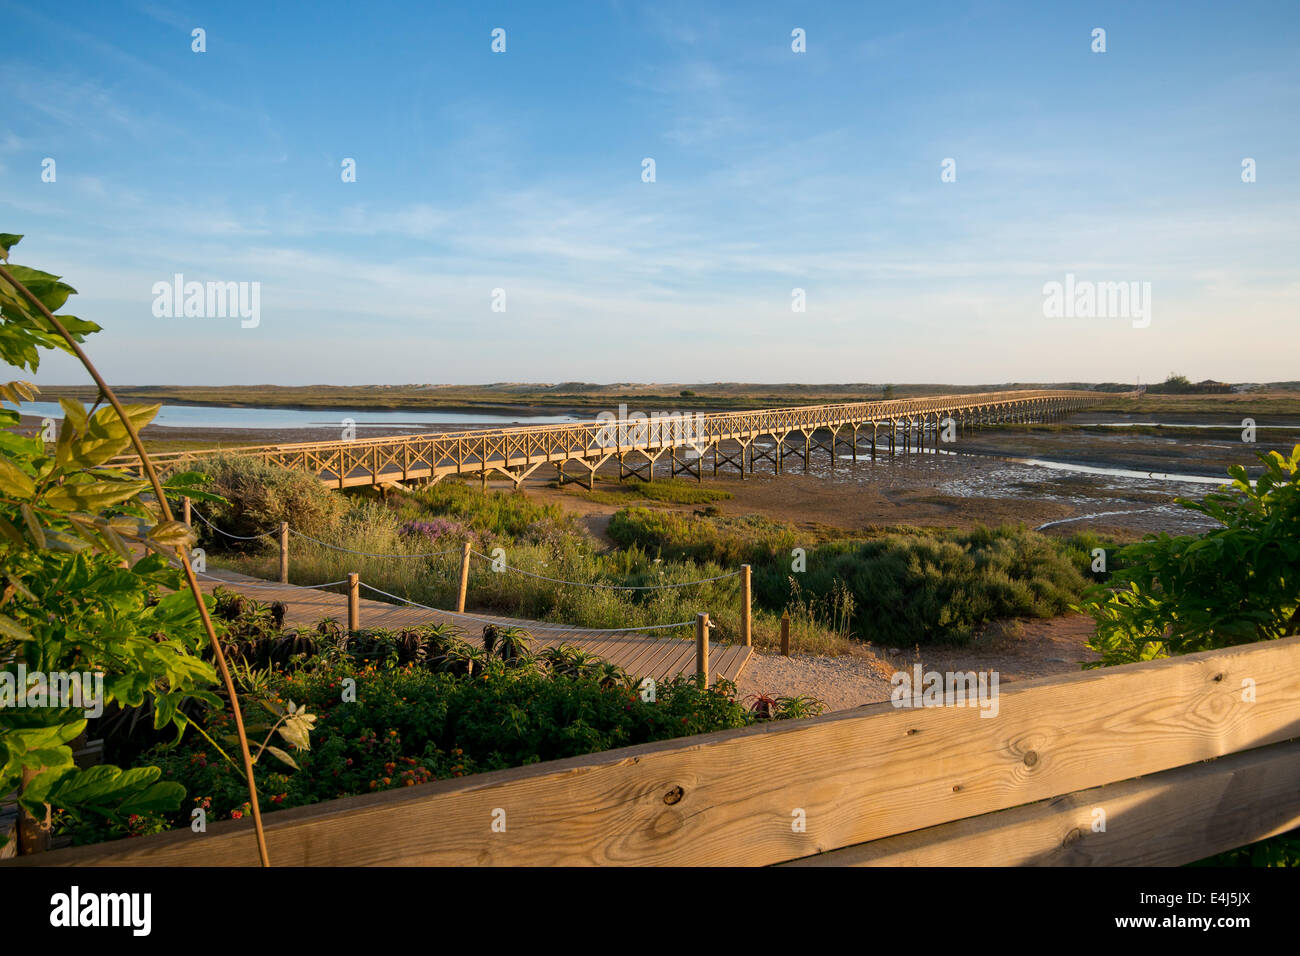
172,533
8,530
280,755
13,630
46,287
14,481
92,496
106,435
296,730
33,526
7,241
74,414
165,795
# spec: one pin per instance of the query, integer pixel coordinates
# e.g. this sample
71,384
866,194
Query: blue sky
775,170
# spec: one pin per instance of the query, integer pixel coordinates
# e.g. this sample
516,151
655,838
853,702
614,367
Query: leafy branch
73,492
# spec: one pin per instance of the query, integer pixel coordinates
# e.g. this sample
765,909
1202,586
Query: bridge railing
593,436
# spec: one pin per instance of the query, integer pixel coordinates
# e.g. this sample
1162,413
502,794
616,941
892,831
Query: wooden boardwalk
637,442
658,654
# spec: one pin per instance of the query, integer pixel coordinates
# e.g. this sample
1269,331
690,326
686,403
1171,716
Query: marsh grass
672,491
537,538
898,586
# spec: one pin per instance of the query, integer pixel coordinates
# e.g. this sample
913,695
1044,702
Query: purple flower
431,530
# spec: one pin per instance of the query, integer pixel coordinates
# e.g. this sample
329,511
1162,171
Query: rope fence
354,585
285,529
268,587
531,626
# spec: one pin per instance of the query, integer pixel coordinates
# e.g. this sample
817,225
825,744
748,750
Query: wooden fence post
746,620
354,601
702,649
464,578
284,552
33,834
785,634
187,511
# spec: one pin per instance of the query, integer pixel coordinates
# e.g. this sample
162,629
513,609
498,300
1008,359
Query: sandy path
1023,650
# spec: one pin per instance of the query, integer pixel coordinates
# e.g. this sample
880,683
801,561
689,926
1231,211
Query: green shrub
1234,585
260,495
909,589
411,724
900,588
722,540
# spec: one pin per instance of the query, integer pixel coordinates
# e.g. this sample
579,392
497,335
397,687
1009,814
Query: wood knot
1031,758
674,795
1074,836
1218,677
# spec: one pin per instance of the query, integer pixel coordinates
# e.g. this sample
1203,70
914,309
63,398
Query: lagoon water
213,416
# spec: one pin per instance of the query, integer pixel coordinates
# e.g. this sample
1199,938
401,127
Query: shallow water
214,416
1118,493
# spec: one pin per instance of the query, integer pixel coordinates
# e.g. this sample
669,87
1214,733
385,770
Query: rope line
531,627
268,587
237,537
614,587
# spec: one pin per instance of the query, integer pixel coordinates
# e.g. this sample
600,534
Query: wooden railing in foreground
1123,747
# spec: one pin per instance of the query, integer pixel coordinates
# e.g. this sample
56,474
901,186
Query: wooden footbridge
638,442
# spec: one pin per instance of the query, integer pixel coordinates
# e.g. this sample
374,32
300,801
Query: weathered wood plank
1165,819
728,797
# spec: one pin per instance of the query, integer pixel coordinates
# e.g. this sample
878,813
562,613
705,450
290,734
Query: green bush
1234,585
910,589
260,495
412,724
921,587
724,540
